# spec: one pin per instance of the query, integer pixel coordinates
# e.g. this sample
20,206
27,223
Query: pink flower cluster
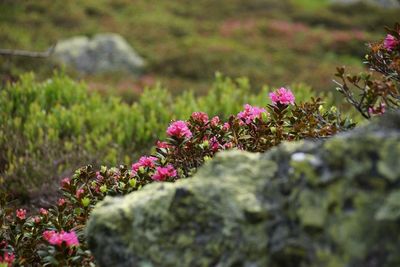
8,259
61,202
21,214
57,239
215,121
200,117
43,211
282,96
163,173
226,126
66,182
79,193
179,129
144,161
390,42
250,113
162,144
379,110
214,144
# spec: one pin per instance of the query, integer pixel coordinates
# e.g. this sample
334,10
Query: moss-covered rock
332,202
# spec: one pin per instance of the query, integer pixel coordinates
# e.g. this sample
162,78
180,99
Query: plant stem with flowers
373,96
56,236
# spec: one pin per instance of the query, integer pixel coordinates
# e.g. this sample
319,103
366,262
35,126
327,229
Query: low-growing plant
375,92
55,236
49,129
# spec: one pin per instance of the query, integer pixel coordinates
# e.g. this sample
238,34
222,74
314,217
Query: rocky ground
332,202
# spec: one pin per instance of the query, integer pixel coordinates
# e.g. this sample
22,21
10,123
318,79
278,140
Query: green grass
311,4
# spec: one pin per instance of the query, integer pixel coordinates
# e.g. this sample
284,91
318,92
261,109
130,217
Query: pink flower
36,219
7,258
179,129
200,117
379,110
3,244
66,182
21,214
163,173
43,211
282,96
214,144
70,238
161,144
52,237
250,113
57,239
228,145
226,127
79,193
99,177
61,202
144,161
215,121
390,42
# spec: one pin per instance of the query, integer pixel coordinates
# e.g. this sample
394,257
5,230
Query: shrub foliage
50,237
49,129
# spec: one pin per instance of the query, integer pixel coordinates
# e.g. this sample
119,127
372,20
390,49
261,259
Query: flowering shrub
55,236
282,96
375,92
49,129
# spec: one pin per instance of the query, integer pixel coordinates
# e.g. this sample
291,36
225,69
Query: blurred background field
56,119
184,42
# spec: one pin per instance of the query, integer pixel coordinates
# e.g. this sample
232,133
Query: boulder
331,202
103,53
381,3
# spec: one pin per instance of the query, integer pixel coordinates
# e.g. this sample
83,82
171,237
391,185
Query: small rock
103,53
381,3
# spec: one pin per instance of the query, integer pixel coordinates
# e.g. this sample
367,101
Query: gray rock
104,53
382,3
334,202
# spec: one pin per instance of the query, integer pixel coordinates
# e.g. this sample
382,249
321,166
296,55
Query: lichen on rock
331,202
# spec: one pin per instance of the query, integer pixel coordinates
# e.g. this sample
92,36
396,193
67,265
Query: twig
25,53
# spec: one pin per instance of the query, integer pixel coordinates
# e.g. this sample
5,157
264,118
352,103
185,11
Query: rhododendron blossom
70,238
379,110
163,173
250,113
36,219
161,144
226,127
8,259
215,121
228,145
390,42
79,193
282,96
200,117
61,201
57,239
43,211
66,182
144,161
179,129
214,144
21,214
